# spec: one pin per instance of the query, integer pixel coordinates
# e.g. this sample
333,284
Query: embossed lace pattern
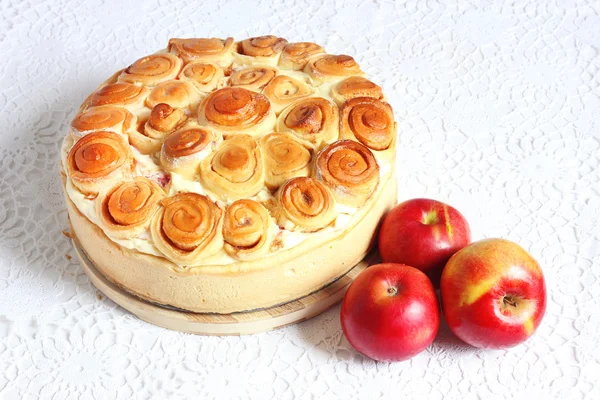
498,110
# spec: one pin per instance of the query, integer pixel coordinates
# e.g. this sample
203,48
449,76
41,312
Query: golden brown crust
126,209
355,86
368,121
283,90
247,230
187,142
163,120
153,69
176,93
235,170
188,228
97,160
305,204
284,158
184,150
350,170
115,119
204,49
252,78
124,93
332,67
295,56
237,110
261,46
314,120
204,76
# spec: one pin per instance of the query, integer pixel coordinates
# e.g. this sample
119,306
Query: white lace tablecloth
498,110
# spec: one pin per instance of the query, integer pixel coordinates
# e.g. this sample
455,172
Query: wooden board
241,323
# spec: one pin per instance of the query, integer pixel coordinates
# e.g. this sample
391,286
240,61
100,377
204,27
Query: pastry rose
304,204
187,228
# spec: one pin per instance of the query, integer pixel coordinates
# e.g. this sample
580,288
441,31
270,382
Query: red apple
493,294
390,312
423,233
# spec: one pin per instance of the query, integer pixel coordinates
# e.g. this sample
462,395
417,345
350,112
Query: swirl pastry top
295,56
369,121
163,120
206,153
204,76
187,228
252,78
124,93
235,170
355,86
350,170
126,209
314,121
176,93
283,90
183,151
248,230
284,158
97,160
219,51
234,109
330,67
152,69
111,118
305,204
261,49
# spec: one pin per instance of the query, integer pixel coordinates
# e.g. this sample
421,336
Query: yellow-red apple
493,294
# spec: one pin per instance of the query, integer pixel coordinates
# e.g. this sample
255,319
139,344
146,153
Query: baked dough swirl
350,170
260,50
248,230
314,121
127,94
369,121
152,69
304,204
235,170
219,51
252,78
234,109
187,228
125,210
163,120
98,160
176,93
330,67
204,76
283,90
355,86
183,151
116,119
284,158
295,56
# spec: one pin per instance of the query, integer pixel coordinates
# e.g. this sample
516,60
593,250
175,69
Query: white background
498,111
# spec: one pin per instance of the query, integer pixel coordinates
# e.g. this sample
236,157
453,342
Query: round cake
218,176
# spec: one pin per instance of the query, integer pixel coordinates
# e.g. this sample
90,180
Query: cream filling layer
143,242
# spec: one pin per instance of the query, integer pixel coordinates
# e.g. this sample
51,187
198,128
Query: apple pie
220,176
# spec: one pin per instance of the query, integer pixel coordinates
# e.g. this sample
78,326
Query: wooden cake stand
240,323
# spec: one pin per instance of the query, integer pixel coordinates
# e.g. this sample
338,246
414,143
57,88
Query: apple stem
510,301
392,291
